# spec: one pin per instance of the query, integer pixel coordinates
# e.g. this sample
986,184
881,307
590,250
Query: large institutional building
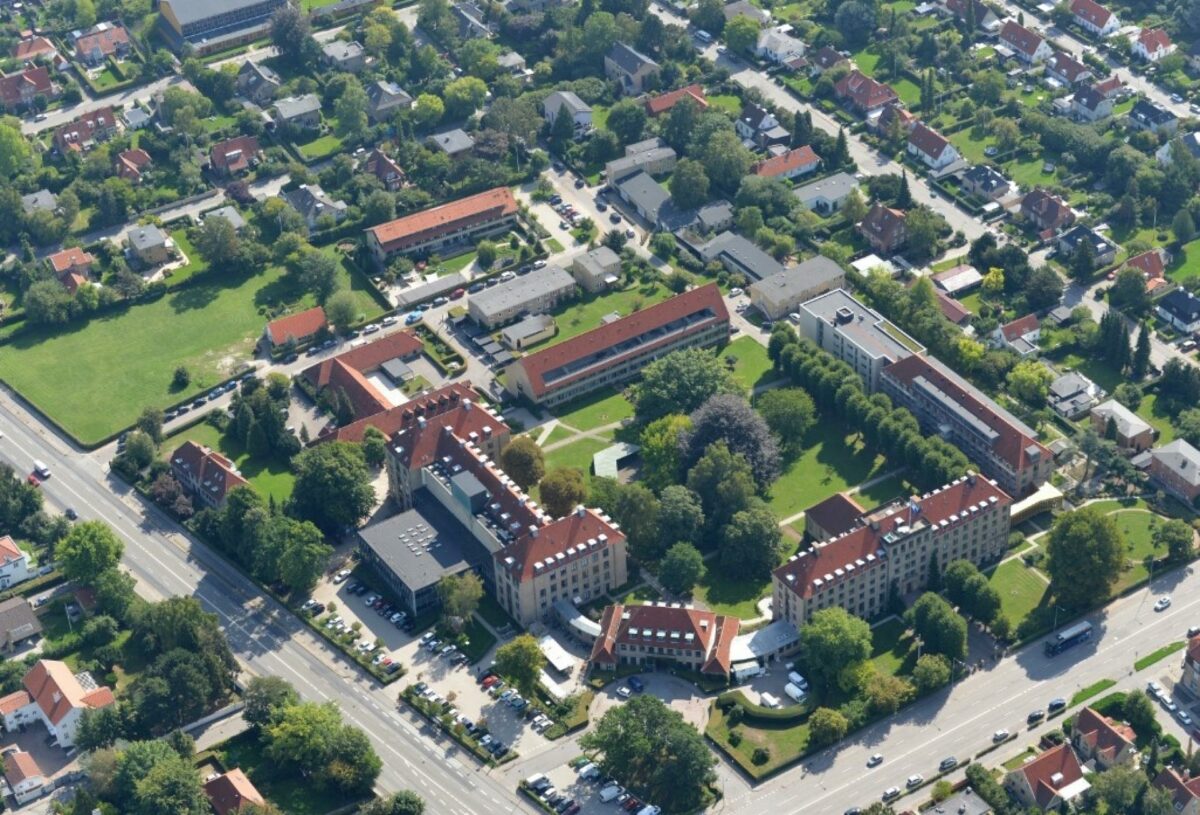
213,25
650,635
865,556
457,223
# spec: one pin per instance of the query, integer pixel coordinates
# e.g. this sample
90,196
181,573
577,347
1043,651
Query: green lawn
1094,689
577,454
585,313
272,478
866,61
1136,526
784,741
892,648
908,92
559,433
1159,420
726,595
886,490
123,361
970,147
1185,264
1021,590
1159,655
196,264
1027,173
291,793
553,246
726,102
601,408
753,367
1093,367
320,147
350,277
831,463
106,79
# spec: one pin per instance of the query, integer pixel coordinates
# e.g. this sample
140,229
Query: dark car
1036,716
199,403
475,289
615,218
1057,704
71,513
601,206
636,683
948,763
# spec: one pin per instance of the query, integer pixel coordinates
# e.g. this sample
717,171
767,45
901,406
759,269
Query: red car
457,293
34,480
491,680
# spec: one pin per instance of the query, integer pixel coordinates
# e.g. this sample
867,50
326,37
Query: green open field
726,102
1021,590
1159,420
321,147
892,648
753,367
971,148
1185,263
832,462
577,454
584,314
894,486
272,478
739,598
1136,526
598,409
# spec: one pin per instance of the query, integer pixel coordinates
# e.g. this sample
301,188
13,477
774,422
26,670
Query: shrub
761,755
735,737
735,714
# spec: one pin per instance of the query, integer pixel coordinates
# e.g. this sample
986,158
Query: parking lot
575,789
679,694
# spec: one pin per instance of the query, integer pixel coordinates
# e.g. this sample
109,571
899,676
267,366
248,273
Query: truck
748,672
610,792
771,701
1067,638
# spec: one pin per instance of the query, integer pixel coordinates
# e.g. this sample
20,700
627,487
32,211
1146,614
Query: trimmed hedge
792,713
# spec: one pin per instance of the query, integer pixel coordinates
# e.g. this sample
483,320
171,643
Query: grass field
972,149
1092,690
1185,263
601,408
1159,420
832,462
350,278
320,147
727,595
271,478
1159,655
559,433
577,454
889,488
892,648
753,366
1136,526
584,314
1020,588
726,102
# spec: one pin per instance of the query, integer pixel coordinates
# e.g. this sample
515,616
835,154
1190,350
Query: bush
735,714
66,644
761,755
735,737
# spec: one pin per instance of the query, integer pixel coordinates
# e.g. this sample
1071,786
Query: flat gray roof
190,11
754,261
868,329
796,280
835,186
432,289
422,545
521,290
292,106
644,192
531,325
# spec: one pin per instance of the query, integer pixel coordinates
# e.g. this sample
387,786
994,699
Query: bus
1080,632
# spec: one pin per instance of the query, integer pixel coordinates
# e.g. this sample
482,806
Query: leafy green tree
884,692
741,34
460,596
405,802
89,549
304,555
523,461
562,489
729,418
940,628
1176,537
1029,381
725,159
724,483
1084,557
521,661
103,727
751,544
826,726
653,751
1138,710
350,109
341,309
833,641
931,672
15,153
1141,355
689,184
264,697
680,516
681,568
790,413
464,96
291,34
219,243
662,461
318,274
333,486
1118,788
374,445
427,111
627,120
1183,226
150,422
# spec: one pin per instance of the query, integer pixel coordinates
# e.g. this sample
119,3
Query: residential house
1185,791
758,126
658,105
456,143
385,168
1020,335
934,151
1189,142
135,118
825,58
302,112
777,45
535,293
1153,265
884,229
659,633
894,118
1046,211
21,89
150,245
234,156
342,55
644,194
14,563
35,49
56,698
1030,48
855,334
355,373
25,778
578,111
205,474
472,21
597,269
827,195
833,517
650,156
985,19
783,292
314,205
957,280
464,221
951,309
18,624
1180,309
513,63
230,791
792,164
1112,87
1145,115
230,214
1190,678
129,164
385,98
205,27
632,70
296,328
41,201
1049,781
1073,394
1088,104
986,182
1103,250
1152,44
1130,431
863,94
1175,468
529,331
744,8
1093,17
101,41
83,133
72,267
1068,70
258,83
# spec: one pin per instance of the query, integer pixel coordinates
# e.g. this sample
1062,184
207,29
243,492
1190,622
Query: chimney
533,530
421,421
1056,780
467,404
580,511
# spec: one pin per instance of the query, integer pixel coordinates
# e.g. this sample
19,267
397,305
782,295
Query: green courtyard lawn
577,454
1022,590
1136,526
892,648
971,148
1094,368
737,597
195,265
888,489
1158,419
288,791
783,740
1027,173
585,313
1185,264
321,147
95,376
753,366
559,433
866,61
727,102
272,478
596,410
832,462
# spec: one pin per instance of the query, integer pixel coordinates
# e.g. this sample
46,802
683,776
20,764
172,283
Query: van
650,810
771,701
41,469
609,793
537,782
794,692
703,36
798,680
589,771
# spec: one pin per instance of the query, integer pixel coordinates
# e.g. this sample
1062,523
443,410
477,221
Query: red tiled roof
1111,85
1021,38
667,626
208,467
1039,771
883,223
68,259
1154,39
73,281
952,310
300,325
658,105
57,692
1148,263
788,162
439,408
233,155
14,702
31,48
1011,444
106,40
896,111
927,140
230,791
15,88
1102,735
835,515
365,398
1091,11
555,537
606,336
1183,790
420,227
72,135
347,370
860,546
130,163
1020,327
864,91
1066,65
383,166
9,550
19,766
1047,209
721,659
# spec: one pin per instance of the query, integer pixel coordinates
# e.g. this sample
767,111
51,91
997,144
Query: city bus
1068,637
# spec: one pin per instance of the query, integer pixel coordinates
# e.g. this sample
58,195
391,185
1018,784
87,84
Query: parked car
1056,704
341,576
1000,735
636,683
915,780
875,760
947,763
1035,716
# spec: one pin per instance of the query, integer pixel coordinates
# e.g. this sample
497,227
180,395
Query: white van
703,36
748,672
771,701
610,792
41,469
794,692
649,810
589,771
798,680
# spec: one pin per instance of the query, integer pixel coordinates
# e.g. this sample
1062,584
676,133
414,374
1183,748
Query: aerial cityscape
599,407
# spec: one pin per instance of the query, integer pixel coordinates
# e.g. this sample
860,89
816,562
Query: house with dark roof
344,55
22,88
1049,781
205,26
825,58
663,102
740,256
1189,142
1145,115
1184,790
1029,47
1073,394
472,19
1093,17
1151,44
41,201
931,148
759,127
150,246
234,156
1068,70
658,633
631,69
1021,335
1089,104
618,350
884,228
315,205
645,195
1046,211
985,19
385,168
986,182
385,98
944,403
230,791
1103,250
297,328
258,83
302,112
101,41
1103,741
792,164
827,195
205,474
456,143
466,220
1181,309
578,111
862,94
18,624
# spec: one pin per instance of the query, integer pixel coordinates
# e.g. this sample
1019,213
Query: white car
1163,603
915,780
736,292
1154,689
875,760
999,736
341,576
1184,718
624,692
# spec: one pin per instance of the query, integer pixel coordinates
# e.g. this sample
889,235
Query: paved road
266,638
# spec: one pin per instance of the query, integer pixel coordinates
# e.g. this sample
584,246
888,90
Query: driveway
679,694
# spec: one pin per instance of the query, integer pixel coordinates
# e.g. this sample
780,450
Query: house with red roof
24,776
72,267
1185,790
952,309
658,105
205,474
863,94
1021,335
1030,48
129,164
297,328
1111,87
386,169
1093,17
1046,211
82,134
14,563
1101,740
1153,265
667,635
38,49
1068,70
229,792
836,515
466,220
884,228
825,58
792,164
1151,44
931,148
1191,666
856,568
234,156
57,698
20,89
101,41
362,375
1049,781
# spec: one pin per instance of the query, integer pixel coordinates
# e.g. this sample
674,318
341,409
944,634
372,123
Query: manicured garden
272,478
752,367
320,147
832,462
596,410
1022,590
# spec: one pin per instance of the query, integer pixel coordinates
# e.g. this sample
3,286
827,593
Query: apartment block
460,222
855,334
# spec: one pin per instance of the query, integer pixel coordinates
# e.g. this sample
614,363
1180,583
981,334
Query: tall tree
264,697
523,461
751,543
1085,555
680,382
724,482
333,486
729,418
460,596
681,568
680,516
521,660
1141,355
89,549
662,460
562,490
291,34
